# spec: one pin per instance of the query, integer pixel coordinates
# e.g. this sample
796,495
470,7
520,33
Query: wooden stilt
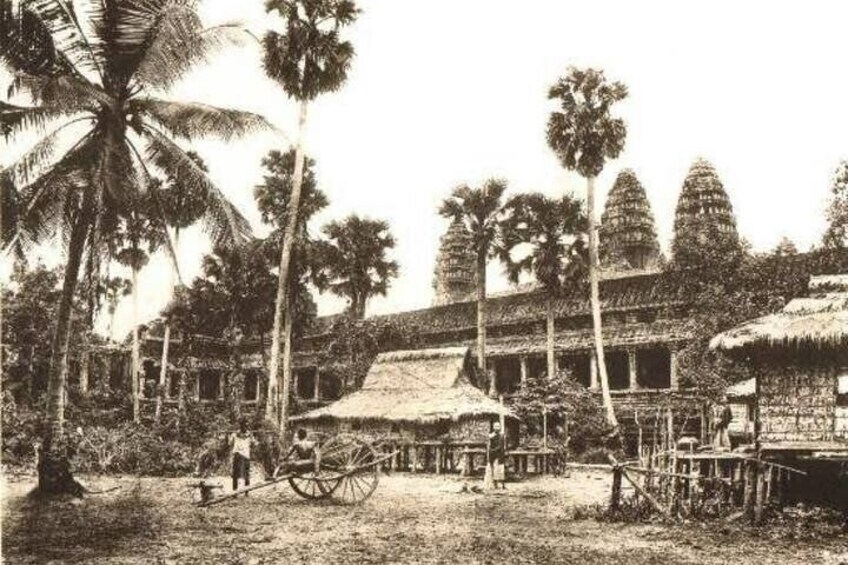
759,505
615,500
750,485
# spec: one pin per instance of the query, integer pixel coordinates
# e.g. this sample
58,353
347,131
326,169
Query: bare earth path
410,519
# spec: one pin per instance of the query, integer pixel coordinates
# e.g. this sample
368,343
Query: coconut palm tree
307,60
273,197
89,73
553,231
354,262
584,135
480,210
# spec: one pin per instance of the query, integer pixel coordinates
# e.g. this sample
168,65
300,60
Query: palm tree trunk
550,337
285,389
285,262
136,350
163,371
54,476
481,326
596,305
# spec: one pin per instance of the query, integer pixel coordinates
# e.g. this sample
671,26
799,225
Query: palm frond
193,120
224,224
41,209
27,45
15,119
179,44
39,158
60,20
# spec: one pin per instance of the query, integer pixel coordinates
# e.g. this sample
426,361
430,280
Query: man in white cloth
240,445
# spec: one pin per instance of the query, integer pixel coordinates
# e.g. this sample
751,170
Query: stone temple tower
628,238
453,279
704,204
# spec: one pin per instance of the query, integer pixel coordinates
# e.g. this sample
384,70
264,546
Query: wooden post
545,427
316,390
761,494
748,492
85,364
615,500
524,370
672,369
631,366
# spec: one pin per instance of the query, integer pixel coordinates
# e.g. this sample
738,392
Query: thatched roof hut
820,320
420,387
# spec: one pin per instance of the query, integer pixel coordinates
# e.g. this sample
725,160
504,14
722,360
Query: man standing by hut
495,471
724,415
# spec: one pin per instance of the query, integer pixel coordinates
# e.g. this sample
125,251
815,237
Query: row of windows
653,369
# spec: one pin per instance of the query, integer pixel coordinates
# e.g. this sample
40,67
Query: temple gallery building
645,325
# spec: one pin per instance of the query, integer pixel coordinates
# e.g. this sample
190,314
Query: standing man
721,441
240,445
495,471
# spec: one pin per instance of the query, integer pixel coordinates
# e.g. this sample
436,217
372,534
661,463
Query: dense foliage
572,411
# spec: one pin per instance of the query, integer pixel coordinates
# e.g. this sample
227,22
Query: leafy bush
571,409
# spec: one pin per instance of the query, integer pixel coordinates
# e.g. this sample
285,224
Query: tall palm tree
553,230
89,71
480,210
584,135
307,60
273,198
354,261
183,208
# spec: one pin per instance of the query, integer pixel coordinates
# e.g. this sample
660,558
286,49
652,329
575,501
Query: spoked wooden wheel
351,463
312,485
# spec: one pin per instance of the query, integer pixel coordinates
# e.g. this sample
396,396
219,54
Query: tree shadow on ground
38,530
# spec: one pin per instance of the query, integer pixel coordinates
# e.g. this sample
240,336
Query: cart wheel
350,465
311,485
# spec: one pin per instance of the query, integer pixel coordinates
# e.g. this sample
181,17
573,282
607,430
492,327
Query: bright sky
444,92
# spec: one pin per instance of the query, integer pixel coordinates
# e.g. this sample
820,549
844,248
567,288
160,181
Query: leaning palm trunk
166,342
54,468
136,350
550,329
481,325
285,388
272,410
596,305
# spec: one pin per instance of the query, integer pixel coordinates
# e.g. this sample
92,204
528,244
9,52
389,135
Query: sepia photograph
407,282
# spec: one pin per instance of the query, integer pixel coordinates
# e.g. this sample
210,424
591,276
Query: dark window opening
306,383
149,378
653,368
210,385
537,367
579,368
355,425
508,374
647,316
618,370
251,386
330,387
174,384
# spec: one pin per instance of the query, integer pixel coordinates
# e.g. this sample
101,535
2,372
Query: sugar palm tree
273,198
89,72
354,262
552,230
307,60
480,210
584,135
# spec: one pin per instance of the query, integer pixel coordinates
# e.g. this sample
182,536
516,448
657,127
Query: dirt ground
410,519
